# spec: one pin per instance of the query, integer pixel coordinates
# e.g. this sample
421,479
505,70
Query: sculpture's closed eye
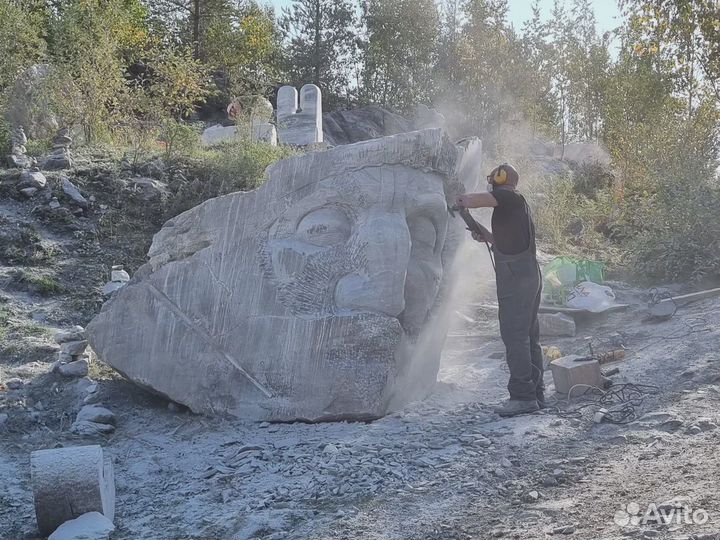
324,227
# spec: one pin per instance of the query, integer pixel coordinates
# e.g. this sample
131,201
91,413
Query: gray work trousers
519,284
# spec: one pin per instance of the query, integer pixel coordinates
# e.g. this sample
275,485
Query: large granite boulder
318,296
363,124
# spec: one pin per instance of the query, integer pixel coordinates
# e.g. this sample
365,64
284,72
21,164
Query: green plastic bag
562,274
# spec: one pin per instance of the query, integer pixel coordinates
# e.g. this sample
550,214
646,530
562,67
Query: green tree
320,45
536,52
186,21
688,31
485,63
93,41
243,43
448,71
157,105
21,40
400,52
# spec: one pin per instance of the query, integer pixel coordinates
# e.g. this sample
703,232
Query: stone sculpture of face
317,296
367,242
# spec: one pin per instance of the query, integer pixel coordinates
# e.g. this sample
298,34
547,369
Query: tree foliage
400,52
21,40
320,45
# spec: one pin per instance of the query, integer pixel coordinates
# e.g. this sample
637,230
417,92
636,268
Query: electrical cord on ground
620,402
693,325
658,295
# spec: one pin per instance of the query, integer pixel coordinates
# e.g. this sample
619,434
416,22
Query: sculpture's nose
385,241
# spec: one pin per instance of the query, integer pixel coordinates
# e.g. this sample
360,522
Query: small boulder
90,526
119,275
20,161
74,348
150,189
59,159
73,192
34,179
96,414
155,168
556,324
14,383
76,333
76,368
90,429
29,192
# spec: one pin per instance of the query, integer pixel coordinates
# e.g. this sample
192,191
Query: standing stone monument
18,155
299,126
318,296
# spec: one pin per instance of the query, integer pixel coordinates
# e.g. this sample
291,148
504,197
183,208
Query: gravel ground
446,467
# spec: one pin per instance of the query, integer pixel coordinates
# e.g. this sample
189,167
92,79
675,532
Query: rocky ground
446,467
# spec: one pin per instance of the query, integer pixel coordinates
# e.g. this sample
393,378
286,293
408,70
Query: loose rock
33,179
14,383
77,333
76,368
74,348
96,414
90,526
91,429
73,192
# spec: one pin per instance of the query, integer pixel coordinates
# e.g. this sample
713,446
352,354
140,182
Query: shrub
572,223
681,237
232,166
180,138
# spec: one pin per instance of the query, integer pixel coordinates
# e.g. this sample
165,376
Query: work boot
513,407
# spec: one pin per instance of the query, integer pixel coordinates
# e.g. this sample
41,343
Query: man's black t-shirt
511,222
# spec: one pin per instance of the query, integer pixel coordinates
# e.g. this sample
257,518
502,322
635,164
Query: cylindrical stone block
69,482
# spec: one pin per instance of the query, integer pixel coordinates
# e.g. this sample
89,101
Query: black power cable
619,403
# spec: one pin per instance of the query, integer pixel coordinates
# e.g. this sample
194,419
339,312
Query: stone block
299,124
69,482
218,134
568,374
265,133
556,324
318,296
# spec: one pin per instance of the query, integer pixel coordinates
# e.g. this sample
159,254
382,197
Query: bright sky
606,11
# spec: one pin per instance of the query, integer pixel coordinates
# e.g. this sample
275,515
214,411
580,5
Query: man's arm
477,200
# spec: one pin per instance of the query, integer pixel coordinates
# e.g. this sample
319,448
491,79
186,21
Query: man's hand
478,237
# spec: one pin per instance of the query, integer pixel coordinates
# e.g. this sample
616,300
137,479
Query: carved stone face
370,241
309,298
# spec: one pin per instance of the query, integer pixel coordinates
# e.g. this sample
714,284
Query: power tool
473,226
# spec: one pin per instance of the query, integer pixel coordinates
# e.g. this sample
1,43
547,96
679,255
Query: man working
518,286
